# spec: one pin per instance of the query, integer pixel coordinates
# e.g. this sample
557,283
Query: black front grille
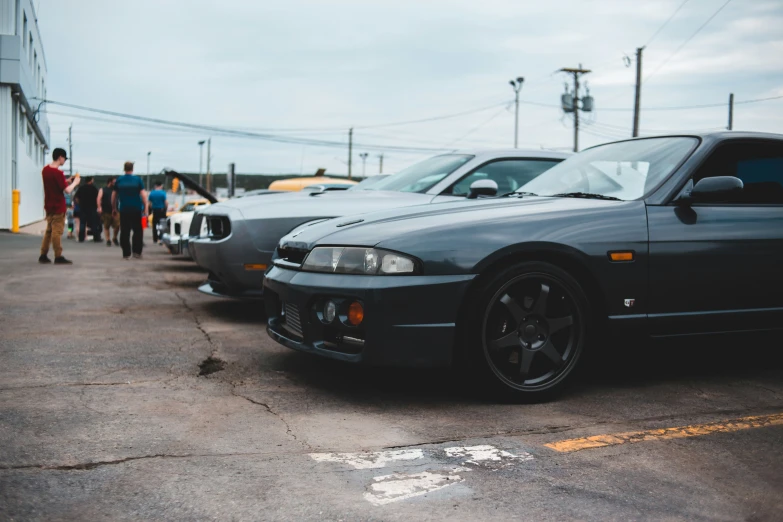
291,320
292,255
218,227
195,225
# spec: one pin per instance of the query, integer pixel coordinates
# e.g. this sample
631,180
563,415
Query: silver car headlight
359,260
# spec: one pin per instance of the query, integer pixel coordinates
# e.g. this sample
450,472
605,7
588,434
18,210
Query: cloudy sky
311,69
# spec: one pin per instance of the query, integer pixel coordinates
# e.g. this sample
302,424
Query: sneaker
108,242
116,243
44,260
126,258
62,261
136,256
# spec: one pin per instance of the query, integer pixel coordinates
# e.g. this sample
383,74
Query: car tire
524,332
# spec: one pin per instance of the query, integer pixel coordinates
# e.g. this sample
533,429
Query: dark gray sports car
668,236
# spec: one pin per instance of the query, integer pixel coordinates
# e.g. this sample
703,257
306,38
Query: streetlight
148,170
200,161
517,86
364,155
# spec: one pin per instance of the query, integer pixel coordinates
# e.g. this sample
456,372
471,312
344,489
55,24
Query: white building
24,135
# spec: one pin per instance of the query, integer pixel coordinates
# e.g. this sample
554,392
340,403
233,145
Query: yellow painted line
680,432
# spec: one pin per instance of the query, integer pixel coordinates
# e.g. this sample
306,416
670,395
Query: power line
661,28
688,107
691,37
245,134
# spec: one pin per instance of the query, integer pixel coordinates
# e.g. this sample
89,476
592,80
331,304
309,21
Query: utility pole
148,171
209,160
201,161
364,155
517,86
731,111
350,150
576,72
638,99
70,152
380,171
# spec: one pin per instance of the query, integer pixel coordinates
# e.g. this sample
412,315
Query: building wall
24,135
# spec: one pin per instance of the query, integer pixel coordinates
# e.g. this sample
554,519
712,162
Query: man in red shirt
54,203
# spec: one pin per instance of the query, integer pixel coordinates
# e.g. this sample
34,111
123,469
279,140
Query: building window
30,51
35,64
22,121
36,148
24,30
38,78
29,141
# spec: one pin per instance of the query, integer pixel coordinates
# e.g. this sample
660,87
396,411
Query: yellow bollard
16,200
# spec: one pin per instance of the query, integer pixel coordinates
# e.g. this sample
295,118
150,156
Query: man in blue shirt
157,199
130,200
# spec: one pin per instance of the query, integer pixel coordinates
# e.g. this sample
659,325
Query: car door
718,267
510,174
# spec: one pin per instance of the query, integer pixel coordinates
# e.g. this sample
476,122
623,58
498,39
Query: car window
758,165
509,174
625,170
188,207
423,175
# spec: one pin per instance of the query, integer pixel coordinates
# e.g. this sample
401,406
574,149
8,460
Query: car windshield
626,170
423,175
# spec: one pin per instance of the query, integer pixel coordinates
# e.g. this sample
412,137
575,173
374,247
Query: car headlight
358,260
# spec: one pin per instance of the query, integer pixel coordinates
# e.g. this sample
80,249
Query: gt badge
629,303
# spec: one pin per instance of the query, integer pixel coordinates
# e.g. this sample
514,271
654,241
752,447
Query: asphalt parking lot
104,415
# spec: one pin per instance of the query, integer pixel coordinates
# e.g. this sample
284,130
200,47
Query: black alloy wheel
532,330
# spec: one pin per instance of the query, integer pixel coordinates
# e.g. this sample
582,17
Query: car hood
325,204
402,228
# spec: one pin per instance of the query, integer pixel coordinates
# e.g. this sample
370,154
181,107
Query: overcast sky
298,64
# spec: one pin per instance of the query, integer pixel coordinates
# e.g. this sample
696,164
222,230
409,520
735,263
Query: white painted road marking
377,459
486,452
386,489
400,486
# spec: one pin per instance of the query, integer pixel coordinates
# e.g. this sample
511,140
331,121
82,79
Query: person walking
130,200
108,218
87,197
54,204
157,200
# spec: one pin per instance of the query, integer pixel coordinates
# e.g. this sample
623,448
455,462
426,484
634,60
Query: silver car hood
326,204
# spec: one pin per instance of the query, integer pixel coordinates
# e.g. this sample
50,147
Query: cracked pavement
103,415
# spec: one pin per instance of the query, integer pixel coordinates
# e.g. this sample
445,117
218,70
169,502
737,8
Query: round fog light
356,313
330,311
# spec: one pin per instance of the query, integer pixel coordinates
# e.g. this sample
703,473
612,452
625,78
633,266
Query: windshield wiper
518,194
585,195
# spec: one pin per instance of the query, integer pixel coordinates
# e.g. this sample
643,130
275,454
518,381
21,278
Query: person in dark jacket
109,220
87,197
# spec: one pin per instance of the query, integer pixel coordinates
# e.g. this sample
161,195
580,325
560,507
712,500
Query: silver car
238,237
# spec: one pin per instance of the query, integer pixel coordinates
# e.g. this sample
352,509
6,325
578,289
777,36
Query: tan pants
55,225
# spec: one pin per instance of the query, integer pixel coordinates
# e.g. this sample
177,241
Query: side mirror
715,189
483,187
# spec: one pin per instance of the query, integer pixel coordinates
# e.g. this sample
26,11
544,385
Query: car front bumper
177,245
408,320
234,264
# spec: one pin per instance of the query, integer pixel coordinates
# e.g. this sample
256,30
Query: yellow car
297,184
189,206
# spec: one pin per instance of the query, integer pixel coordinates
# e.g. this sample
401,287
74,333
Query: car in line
662,236
238,238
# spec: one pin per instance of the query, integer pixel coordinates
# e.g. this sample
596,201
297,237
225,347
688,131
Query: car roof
514,153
